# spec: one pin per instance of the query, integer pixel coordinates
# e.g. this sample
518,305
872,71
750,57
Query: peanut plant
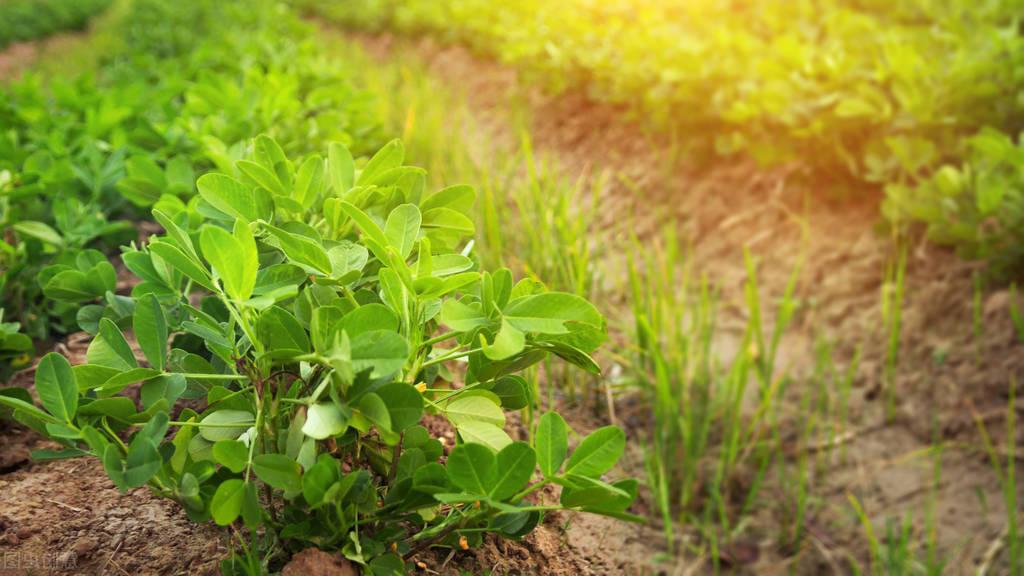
313,316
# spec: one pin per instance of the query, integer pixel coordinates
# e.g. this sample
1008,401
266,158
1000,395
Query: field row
925,98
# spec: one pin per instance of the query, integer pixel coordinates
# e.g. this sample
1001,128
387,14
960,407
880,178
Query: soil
66,516
17,58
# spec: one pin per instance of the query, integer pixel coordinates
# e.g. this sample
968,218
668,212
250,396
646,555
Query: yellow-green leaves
233,257
507,343
548,313
387,158
402,229
309,182
341,168
478,418
235,199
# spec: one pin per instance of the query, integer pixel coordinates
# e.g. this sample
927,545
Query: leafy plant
321,311
15,348
80,159
976,206
22,20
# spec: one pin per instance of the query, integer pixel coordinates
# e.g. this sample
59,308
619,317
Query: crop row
23,20
889,93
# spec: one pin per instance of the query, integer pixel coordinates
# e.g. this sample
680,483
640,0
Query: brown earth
18,58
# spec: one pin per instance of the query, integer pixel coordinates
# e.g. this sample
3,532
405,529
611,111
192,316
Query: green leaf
270,155
341,167
260,176
150,325
279,471
347,259
39,231
384,351
572,355
235,265
459,197
110,348
19,404
368,318
404,403
182,263
142,463
516,463
474,409
281,331
473,468
167,387
309,182
402,228
56,386
231,453
366,225
484,434
114,467
513,392
387,565
120,379
47,455
218,425
319,478
552,441
372,407
507,342
234,199
614,500
277,277
447,220
448,264
548,313
462,317
251,511
324,420
119,408
302,250
76,286
227,501
387,158
597,453
181,240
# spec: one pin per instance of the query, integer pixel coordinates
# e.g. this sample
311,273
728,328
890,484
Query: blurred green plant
24,20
